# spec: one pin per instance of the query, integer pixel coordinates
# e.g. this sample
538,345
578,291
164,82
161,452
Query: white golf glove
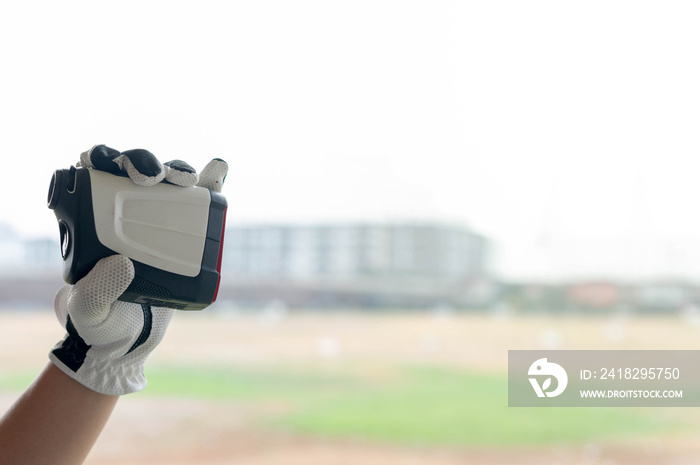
108,340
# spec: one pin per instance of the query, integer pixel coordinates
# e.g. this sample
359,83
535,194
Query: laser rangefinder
174,235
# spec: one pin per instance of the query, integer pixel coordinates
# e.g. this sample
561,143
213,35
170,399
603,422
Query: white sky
560,129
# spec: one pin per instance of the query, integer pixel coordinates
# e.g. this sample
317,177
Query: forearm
56,421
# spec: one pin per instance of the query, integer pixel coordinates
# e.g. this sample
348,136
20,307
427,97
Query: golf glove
107,340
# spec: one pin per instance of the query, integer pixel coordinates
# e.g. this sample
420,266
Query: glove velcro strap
73,349
111,376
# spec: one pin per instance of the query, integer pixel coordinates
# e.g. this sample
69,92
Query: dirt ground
155,431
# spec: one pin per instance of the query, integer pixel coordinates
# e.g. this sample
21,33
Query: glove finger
180,173
142,167
213,175
60,304
102,158
91,298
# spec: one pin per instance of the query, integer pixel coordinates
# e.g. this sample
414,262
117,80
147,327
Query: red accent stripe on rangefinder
221,255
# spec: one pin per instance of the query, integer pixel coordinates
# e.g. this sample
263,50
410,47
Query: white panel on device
164,226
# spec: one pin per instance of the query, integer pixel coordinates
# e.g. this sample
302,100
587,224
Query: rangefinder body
173,235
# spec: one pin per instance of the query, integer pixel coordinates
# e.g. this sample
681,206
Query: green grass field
406,405
239,378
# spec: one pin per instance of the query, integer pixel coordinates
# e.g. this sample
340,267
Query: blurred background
415,188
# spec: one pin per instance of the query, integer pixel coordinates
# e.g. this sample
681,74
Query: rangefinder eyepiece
173,235
56,179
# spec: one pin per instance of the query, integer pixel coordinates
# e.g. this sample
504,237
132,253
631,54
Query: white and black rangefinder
174,235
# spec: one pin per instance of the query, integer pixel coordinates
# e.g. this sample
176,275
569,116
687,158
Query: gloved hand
109,340
145,170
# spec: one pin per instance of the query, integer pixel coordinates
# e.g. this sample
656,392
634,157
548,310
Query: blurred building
11,249
30,269
379,250
361,263
42,254
22,256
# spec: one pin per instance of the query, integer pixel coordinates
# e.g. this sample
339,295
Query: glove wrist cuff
113,379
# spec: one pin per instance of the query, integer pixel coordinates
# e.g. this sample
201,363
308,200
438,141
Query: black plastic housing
70,197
